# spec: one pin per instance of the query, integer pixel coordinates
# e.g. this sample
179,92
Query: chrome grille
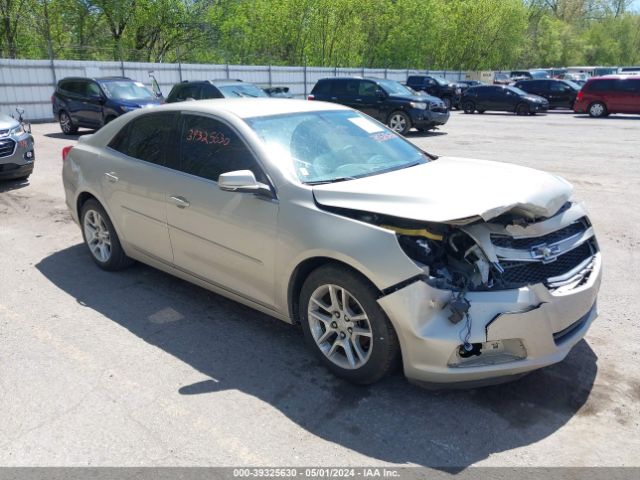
527,273
526,243
7,146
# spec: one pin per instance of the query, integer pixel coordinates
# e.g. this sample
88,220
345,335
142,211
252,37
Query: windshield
516,90
539,74
440,80
331,146
242,90
126,90
394,88
573,85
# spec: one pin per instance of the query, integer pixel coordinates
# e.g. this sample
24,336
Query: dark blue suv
385,100
94,102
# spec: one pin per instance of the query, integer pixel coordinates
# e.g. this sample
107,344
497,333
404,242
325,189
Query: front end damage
498,297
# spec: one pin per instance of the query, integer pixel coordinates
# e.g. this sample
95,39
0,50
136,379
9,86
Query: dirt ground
141,369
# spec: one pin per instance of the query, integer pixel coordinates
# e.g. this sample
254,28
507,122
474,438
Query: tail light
65,152
310,97
580,95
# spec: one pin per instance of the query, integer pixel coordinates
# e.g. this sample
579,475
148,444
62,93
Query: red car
601,96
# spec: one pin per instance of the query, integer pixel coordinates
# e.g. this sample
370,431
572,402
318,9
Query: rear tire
597,110
66,124
469,107
345,326
101,238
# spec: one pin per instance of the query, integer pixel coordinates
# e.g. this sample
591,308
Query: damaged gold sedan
465,271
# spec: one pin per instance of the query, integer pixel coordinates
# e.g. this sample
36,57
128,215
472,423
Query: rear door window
188,91
601,85
345,88
147,138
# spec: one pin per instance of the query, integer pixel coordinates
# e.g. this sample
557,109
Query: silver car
16,150
465,271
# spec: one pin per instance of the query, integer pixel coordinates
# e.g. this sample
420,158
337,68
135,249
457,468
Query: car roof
252,107
615,77
97,79
355,77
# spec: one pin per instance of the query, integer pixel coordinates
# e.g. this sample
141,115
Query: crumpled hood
451,189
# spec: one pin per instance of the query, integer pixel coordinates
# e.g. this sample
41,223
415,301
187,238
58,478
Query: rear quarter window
323,87
147,137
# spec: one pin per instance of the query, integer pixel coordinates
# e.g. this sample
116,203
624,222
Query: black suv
94,102
502,98
437,87
385,100
203,89
559,93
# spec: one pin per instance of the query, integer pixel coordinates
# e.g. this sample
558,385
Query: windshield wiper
332,180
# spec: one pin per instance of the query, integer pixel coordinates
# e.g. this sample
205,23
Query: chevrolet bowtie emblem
545,253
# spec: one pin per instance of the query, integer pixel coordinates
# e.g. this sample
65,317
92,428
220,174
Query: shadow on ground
430,133
613,116
392,421
9,185
64,136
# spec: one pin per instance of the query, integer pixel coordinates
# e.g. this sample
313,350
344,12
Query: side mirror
96,98
243,181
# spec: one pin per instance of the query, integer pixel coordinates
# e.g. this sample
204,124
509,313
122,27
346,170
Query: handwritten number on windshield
210,138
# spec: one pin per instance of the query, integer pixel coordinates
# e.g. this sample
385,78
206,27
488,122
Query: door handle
111,177
334,98
180,202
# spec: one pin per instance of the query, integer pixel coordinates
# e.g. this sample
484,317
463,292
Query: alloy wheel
397,123
97,235
596,110
65,123
340,326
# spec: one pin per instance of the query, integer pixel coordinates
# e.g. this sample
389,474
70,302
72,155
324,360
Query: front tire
597,110
101,238
399,122
66,124
345,326
522,109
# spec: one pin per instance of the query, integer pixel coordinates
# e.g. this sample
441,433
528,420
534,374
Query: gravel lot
139,368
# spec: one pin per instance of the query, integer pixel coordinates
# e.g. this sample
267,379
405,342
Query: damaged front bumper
508,331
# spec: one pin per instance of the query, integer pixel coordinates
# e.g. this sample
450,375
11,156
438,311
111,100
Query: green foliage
435,34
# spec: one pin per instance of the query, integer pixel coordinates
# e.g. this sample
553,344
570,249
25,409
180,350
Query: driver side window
367,89
209,147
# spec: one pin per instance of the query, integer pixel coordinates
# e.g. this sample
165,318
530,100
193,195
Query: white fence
29,84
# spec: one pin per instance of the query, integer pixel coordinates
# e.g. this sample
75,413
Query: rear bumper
519,330
580,107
